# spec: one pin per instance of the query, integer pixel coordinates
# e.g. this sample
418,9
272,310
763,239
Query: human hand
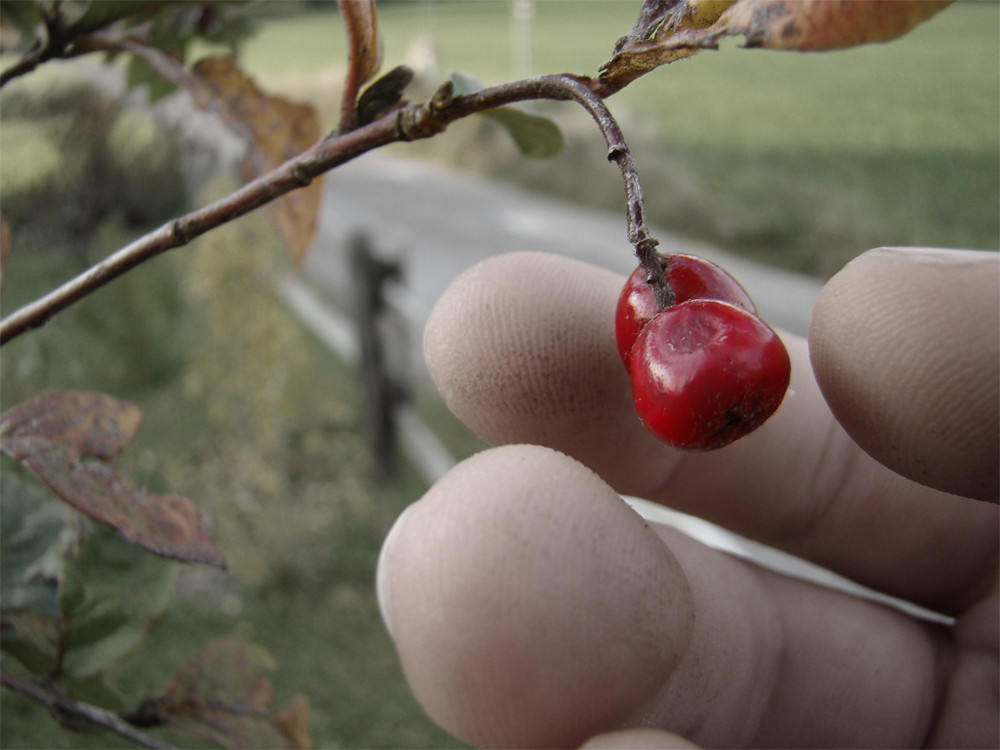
531,607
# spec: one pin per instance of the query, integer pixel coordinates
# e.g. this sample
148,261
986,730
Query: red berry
705,373
690,277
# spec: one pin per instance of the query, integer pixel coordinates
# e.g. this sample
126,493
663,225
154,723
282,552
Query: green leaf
23,15
464,83
139,74
76,605
30,623
29,541
537,136
97,691
112,595
32,638
103,13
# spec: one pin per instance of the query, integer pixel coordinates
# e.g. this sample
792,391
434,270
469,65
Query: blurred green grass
799,160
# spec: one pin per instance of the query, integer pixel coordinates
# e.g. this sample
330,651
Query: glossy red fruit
706,373
690,277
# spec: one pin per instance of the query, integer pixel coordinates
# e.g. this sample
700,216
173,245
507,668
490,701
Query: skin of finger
833,670
505,345
905,344
638,739
969,712
531,607
521,347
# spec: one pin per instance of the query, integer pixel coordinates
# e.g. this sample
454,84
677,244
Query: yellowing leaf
819,25
669,30
660,19
294,723
278,130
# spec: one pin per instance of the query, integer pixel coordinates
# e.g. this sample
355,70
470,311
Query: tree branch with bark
74,710
405,123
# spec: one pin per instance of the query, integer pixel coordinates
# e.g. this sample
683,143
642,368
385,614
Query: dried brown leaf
669,30
364,55
820,25
222,696
88,424
66,438
278,130
365,45
294,723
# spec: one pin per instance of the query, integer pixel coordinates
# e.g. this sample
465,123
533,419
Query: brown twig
48,46
407,123
295,173
61,704
583,91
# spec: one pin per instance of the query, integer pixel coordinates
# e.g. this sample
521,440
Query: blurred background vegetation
799,161
244,412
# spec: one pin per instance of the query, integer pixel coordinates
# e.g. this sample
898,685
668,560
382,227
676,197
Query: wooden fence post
382,392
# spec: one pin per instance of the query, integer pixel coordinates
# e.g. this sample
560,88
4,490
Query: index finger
522,349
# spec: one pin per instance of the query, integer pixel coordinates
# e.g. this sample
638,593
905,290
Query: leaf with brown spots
669,30
67,438
222,696
821,25
278,130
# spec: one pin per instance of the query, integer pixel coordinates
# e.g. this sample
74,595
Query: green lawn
799,160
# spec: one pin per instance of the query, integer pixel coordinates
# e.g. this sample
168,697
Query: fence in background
376,341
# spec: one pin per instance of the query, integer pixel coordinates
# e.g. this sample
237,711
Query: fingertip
529,605
521,348
382,587
638,739
904,344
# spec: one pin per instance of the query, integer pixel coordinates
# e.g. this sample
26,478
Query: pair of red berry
706,370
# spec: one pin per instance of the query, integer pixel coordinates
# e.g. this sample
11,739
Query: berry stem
566,87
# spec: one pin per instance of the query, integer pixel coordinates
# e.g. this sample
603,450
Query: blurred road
438,222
